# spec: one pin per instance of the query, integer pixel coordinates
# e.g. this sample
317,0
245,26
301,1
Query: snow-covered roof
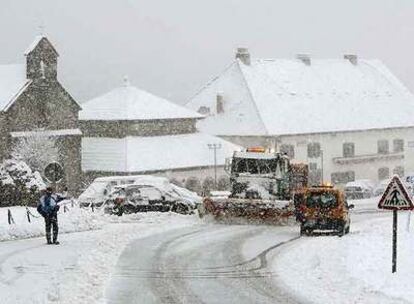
129,103
35,42
47,133
287,96
12,81
155,153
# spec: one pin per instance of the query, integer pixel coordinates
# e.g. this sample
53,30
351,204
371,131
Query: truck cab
259,174
322,209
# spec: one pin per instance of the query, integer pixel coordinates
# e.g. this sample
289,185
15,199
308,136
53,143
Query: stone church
37,113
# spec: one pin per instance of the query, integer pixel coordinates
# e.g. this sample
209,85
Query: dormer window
204,110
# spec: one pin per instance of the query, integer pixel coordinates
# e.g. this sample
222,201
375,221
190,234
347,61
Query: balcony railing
367,158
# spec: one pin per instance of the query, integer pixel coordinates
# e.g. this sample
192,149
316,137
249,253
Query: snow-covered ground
77,270
76,219
353,269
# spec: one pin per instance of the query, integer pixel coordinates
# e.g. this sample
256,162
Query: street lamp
215,147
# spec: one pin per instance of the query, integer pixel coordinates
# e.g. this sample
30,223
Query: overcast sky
172,47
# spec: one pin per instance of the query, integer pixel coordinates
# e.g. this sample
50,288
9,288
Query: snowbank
76,219
353,269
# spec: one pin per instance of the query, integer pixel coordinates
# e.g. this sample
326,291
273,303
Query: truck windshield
254,166
322,200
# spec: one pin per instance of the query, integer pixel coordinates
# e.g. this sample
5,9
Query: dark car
146,198
359,189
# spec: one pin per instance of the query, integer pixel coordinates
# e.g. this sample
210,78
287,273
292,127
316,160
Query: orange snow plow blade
254,211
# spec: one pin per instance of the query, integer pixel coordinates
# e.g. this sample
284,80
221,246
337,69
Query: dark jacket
48,205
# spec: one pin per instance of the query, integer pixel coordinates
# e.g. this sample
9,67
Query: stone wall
4,138
44,104
70,158
42,61
120,129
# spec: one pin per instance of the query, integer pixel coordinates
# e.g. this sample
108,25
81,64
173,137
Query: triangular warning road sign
396,196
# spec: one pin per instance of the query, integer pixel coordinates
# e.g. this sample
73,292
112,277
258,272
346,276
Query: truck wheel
341,230
302,230
305,231
347,229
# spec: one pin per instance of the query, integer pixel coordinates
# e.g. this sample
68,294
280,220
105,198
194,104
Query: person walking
48,208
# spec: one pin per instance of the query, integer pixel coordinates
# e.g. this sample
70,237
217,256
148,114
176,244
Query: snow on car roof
286,96
130,103
356,184
128,177
97,187
153,153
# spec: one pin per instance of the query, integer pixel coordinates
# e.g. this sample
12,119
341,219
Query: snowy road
204,264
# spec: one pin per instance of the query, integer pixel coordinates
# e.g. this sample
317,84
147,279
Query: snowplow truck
262,184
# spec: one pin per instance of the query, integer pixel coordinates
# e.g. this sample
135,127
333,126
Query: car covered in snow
141,197
101,188
359,189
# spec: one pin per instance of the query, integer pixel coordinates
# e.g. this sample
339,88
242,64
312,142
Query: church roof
130,103
287,96
12,83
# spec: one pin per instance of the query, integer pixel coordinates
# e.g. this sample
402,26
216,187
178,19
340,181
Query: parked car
409,179
100,189
359,189
382,185
144,198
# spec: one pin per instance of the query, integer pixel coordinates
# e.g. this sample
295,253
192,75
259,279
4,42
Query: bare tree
36,150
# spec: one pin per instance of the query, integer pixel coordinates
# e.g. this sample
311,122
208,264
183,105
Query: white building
348,118
128,131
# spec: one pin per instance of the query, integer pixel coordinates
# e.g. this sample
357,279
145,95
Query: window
315,177
399,170
313,166
204,110
383,147
314,150
348,149
398,145
383,173
342,177
289,150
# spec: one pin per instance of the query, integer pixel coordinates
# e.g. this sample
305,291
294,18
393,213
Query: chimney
352,58
219,103
305,58
244,55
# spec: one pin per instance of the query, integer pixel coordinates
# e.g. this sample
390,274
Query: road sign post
394,240
395,198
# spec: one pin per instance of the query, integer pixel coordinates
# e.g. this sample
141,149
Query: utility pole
215,147
321,151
